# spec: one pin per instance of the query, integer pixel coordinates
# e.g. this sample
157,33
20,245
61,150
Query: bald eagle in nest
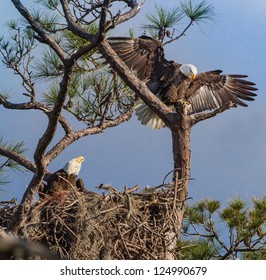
65,179
172,82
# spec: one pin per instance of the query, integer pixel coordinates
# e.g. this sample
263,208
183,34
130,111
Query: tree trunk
180,130
182,155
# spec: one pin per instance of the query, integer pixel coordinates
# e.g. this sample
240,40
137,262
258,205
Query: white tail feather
147,117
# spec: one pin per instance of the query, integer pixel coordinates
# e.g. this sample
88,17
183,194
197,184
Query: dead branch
34,105
204,116
69,138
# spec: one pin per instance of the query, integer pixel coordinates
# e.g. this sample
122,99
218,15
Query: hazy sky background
228,151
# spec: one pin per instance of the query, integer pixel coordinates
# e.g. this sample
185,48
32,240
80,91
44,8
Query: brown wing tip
240,81
240,78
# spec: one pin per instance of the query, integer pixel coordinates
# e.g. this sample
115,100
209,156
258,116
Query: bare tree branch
204,116
18,158
135,8
115,20
35,106
72,24
52,125
183,33
74,136
102,22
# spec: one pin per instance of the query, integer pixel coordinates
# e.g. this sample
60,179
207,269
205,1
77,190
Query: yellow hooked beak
193,76
80,159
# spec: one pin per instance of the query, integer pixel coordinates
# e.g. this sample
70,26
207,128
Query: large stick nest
115,225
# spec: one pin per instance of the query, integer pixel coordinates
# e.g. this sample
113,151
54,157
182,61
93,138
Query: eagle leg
183,106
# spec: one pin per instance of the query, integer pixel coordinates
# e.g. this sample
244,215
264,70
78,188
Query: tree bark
180,130
182,161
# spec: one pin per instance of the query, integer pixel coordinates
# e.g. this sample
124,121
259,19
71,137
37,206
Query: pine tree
84,96
234,232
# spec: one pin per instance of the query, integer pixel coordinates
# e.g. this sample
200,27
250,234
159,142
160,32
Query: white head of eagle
74,165
189,70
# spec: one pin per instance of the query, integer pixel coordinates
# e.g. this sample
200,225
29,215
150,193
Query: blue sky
228,151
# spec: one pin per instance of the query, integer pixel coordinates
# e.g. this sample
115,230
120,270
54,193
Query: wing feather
211,90
144,55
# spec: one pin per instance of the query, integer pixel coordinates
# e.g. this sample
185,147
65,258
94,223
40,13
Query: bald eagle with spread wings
172,82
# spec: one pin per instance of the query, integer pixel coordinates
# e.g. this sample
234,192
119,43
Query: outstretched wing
144,55
211,90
